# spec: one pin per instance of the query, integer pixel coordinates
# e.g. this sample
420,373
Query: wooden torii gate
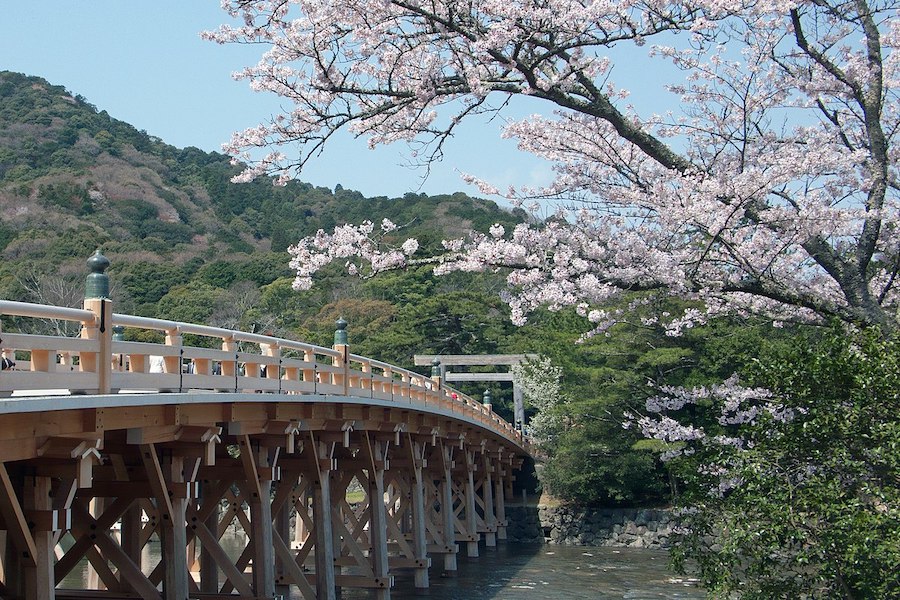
481,360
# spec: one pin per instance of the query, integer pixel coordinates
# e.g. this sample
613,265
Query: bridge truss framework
183,470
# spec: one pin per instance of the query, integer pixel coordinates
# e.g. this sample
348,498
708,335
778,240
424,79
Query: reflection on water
518,571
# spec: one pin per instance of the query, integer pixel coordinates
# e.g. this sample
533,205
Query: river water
525,572
522,572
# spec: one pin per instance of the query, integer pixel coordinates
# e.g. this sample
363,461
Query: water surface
518,572
525,572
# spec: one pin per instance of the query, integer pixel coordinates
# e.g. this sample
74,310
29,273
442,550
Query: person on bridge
6,362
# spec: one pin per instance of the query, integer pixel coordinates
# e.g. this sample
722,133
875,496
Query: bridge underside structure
336,471
103,481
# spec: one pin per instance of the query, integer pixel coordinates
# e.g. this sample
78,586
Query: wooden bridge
336,470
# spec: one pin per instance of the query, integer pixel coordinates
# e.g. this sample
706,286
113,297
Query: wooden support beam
248,461
321,493
281,524
211,543
86,526
82,534
292,572
171,527
258,497
63,493
376,452
209,572
39,584
417,485
157,481
500,506
471,518
487,491
15,521
446,503
131,518
173,535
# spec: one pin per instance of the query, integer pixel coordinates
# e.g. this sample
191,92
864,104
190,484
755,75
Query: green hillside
73,178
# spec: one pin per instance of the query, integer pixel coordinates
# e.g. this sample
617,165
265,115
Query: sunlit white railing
232,361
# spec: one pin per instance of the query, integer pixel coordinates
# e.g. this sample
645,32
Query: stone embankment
581,526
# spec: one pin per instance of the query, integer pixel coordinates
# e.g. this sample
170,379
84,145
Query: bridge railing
231,361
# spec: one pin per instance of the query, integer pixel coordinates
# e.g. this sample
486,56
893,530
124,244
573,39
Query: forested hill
73,178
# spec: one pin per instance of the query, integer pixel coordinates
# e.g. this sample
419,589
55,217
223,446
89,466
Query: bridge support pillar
487,490
417,493
471,517
97,506
258,471
376,451
131,518
500,502
321,493
38,579
171,508
209,571
446,503
282,526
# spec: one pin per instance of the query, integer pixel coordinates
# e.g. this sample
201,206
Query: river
524,572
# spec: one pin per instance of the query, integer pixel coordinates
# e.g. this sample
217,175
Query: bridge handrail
52,366
217,332
28,309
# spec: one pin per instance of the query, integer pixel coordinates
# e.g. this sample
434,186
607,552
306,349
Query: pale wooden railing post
229,367
173,363
96,300
388,386
310,375
273,351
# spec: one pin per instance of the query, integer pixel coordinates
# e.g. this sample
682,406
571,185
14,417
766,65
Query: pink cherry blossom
770,186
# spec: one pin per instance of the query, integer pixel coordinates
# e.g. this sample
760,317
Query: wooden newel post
96,300
340,377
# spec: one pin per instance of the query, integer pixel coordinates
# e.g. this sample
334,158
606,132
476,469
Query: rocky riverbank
581,526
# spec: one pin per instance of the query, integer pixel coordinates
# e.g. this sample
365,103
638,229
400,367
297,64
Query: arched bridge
337,470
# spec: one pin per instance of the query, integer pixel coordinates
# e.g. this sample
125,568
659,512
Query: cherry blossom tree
790,490
770,186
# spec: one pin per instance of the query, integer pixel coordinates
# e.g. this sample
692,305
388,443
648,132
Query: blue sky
144,63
